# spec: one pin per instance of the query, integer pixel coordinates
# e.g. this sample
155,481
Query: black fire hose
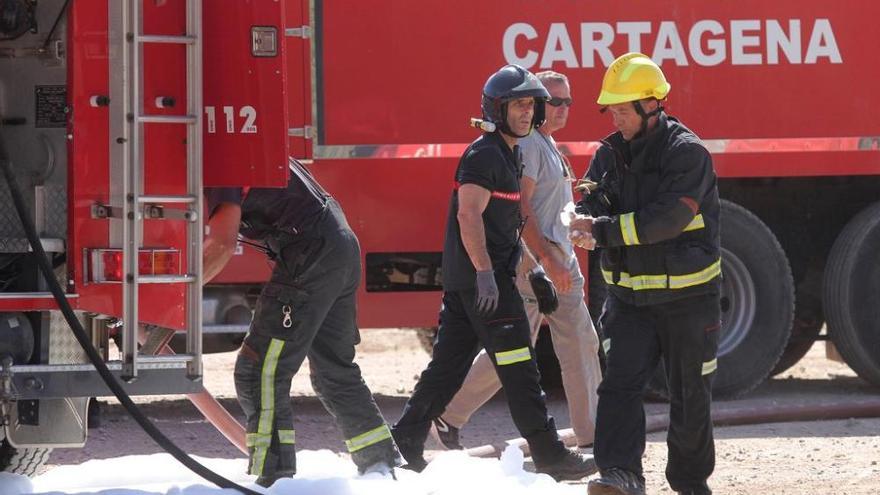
87,346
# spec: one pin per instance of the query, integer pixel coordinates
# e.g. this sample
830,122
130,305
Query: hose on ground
744,415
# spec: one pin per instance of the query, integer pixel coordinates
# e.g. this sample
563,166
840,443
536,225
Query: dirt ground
839,456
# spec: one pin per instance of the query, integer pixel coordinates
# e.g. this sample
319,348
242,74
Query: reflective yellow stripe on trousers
645,282
511,357
267,406
371,437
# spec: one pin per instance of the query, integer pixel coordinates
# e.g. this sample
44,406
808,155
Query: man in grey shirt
546,188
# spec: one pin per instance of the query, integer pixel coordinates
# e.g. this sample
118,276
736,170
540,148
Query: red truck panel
232,79
410,72
245,97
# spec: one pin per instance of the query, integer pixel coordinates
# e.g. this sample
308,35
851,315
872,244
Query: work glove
544,290
487,293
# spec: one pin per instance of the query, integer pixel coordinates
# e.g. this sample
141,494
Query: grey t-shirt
543,163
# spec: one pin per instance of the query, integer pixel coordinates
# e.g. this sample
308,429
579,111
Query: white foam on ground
319,473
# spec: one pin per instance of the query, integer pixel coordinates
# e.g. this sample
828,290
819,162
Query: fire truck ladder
128,118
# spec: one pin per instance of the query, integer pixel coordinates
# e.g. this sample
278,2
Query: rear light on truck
105,265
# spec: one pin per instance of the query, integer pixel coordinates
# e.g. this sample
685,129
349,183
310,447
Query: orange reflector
105,265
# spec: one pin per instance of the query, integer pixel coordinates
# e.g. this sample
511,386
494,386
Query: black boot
614,481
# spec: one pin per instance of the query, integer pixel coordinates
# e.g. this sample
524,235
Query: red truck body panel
762,83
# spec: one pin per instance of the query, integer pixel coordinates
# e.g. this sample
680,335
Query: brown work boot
571,466
615,481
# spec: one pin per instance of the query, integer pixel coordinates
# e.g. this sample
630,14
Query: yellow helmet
632,77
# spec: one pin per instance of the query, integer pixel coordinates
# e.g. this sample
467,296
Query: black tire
757,305
757,302
808,321
851,294
26,462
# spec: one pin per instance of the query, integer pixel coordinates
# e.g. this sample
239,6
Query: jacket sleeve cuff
604,229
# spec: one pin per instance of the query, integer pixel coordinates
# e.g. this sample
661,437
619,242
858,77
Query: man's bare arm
220,239
472,202
548,255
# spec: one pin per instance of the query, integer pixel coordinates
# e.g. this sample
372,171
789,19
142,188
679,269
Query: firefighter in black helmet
481,304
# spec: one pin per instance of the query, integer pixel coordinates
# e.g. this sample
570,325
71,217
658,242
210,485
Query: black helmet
509,83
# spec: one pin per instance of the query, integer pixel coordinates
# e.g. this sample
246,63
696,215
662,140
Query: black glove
487,293
544,291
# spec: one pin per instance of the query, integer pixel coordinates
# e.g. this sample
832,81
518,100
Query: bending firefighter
481,304
652,203
306,309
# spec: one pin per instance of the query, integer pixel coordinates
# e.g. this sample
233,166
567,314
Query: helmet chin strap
645,116
507,130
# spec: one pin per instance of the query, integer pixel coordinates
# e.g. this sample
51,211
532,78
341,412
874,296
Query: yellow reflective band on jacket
267,403
646,282
606,345
512,357
258,440
696,224
710,366
287,437
628,229
371,437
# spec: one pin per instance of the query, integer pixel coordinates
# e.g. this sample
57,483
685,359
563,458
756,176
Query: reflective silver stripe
267,402
628,229
645,282
696,224
511,357
606,345
710,366
287,436
371,437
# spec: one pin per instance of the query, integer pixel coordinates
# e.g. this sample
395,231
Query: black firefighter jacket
661,236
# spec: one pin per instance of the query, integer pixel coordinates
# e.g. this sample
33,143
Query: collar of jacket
646,141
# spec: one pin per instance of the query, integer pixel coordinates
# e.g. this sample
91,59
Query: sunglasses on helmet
557,101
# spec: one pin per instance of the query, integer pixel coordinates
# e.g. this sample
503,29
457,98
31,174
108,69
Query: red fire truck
779,91
115,113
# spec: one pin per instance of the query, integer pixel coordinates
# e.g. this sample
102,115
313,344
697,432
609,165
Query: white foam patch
320,473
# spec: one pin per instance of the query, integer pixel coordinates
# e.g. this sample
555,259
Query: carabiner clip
287,322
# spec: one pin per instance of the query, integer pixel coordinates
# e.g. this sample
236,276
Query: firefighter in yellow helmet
650,203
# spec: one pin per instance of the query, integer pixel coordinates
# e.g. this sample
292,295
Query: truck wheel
757,302
808,321
757,305
26,462
852,292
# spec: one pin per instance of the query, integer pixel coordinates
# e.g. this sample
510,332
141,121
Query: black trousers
308,309
505,335
685,335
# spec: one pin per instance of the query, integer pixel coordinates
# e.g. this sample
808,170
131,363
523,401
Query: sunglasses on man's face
557,101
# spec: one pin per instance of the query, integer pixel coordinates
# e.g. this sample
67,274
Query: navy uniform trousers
308,309
685,334
462,333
